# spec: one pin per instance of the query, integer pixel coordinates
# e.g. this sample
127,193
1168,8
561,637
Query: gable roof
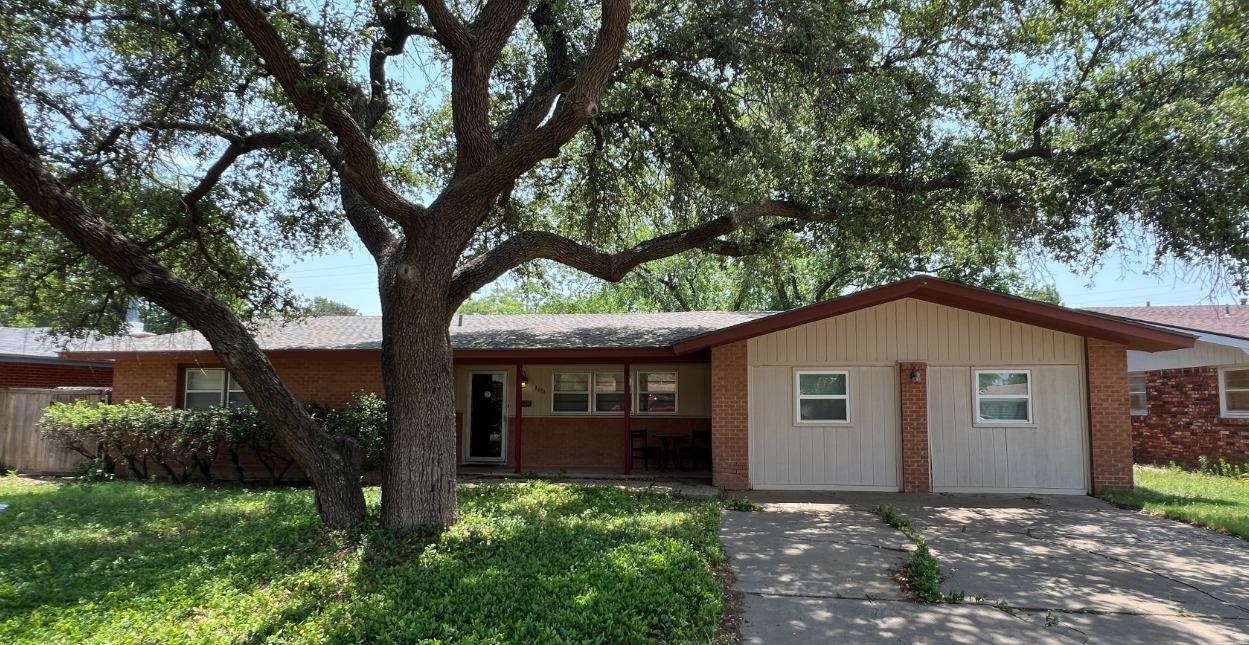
468,332
1225,320
1133,334
34,345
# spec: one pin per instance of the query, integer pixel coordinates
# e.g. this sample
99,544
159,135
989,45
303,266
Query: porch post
628,405
520,415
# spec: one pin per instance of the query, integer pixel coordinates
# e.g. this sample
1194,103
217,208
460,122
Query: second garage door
1045,453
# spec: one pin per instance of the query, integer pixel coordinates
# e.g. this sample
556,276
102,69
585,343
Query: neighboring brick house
1191,403
30,359
919,385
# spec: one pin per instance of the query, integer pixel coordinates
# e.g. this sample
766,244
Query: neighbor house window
609,392
657,392
571,393
206,388
822,397
1136,393
1003,396
1234,392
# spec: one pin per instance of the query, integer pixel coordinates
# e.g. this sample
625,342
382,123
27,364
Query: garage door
859,455
1047,456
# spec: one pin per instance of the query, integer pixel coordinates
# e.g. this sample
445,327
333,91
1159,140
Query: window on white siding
206,388
1136,393
1234,392
609,392
1003,396
570,393
657,392
821,397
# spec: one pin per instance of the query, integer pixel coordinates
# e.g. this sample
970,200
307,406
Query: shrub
179,445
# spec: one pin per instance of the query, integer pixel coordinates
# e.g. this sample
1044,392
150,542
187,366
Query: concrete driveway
818,567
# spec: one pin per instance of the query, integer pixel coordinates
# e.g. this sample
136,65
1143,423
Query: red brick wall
332,381
598,443
730,451
916,472
1183,421
1110,427
53,375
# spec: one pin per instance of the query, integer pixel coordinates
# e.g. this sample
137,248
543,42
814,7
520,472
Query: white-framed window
1003,396
656,392
1234,391
1137,400
206,388
821,397
609,390
570,393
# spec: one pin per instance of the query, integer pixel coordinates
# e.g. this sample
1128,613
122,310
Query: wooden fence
21,447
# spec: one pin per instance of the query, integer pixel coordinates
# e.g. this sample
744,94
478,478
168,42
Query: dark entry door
485,414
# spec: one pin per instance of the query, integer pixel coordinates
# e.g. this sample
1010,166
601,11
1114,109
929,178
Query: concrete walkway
818,567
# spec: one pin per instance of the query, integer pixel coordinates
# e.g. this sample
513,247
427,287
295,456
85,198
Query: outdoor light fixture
915,376
524,379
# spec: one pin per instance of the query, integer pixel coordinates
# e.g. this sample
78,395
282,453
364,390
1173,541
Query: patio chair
639,445
698,452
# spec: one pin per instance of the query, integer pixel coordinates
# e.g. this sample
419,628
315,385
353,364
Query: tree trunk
418,476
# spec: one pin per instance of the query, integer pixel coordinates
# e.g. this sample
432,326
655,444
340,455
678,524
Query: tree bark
418,476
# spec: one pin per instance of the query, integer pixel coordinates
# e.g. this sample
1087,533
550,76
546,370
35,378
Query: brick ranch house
1194,402
918,385
29,359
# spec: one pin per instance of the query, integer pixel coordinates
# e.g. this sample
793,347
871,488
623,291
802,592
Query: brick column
1110,425
729,413
916,470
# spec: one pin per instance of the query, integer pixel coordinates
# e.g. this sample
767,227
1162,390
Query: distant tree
174,148
326,307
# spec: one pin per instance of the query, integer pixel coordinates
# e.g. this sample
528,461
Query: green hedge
182,445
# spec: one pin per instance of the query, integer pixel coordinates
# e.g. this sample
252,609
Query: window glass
201,400
200,379
657,392
1136,393
1004,396
822,397
609,391
1236,391
571,392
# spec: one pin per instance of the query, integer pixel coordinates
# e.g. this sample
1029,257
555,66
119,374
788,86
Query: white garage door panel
1049,457
863,455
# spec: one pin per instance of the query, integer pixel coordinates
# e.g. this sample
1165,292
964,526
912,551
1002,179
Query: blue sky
350,278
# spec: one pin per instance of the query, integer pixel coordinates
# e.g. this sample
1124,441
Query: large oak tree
174,148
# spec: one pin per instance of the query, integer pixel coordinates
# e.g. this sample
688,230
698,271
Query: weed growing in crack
922,573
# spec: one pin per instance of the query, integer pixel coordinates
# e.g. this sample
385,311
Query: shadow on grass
532,562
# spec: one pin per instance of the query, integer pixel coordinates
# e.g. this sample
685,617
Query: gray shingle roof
1230,320
472,331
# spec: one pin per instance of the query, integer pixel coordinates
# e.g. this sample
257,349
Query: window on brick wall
1136,393
656,392
821,397
570,393
206,388
1003,396
1234,392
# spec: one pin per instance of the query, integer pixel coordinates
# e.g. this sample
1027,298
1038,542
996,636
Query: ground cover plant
535,562
1210,500
922,573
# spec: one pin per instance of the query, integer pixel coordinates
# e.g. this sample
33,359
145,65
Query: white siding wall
1201,354
871,342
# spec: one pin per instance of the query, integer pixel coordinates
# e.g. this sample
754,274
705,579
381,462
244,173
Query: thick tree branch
449,30
533,245
23,172
361,166
556,78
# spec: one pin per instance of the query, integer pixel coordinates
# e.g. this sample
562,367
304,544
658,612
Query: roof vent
460,322
132,321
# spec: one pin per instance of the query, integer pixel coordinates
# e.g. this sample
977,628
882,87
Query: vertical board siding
915,330
863,454
1050,455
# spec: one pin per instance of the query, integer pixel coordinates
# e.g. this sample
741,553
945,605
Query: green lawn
1209,500
529,563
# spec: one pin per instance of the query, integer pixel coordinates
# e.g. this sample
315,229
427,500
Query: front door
486,393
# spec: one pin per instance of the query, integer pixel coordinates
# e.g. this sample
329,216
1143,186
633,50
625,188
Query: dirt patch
730,631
